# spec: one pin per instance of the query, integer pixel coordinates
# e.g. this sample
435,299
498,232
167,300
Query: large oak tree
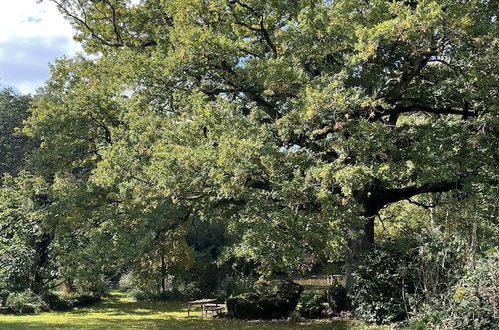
298,119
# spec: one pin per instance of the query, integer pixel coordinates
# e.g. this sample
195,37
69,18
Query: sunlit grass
120,312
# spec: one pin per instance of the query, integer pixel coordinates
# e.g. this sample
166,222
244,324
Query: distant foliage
126,282
14,148
235,285
26,302
68,301
312,305
175,288
140,289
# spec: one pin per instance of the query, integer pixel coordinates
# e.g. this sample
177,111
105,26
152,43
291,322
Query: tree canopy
14,147
296,121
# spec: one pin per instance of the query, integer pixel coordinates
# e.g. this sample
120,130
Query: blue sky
32,35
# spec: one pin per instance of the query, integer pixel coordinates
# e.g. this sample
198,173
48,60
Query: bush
86,299
26,302
471,303
271,300
4,294
312,305
233,286
55,302
140,289
377,289
127,282
338,299
66,302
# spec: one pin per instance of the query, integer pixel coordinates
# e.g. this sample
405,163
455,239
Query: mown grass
120,312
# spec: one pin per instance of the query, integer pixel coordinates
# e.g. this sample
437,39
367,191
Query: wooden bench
208,306
214,309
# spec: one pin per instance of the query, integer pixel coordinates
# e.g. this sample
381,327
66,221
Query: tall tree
26,259
14,147
303,119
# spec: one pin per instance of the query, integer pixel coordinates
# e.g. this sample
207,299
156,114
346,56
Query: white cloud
27,18
31,34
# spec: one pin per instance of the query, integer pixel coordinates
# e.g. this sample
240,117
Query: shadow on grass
118,304
145,323
119,312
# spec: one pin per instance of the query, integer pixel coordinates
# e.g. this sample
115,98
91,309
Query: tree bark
163,274
356,246
42,260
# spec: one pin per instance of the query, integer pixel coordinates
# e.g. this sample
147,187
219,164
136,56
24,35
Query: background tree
14,147
302,119
26,250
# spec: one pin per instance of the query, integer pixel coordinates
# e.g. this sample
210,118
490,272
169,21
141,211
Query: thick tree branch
378,199
446,111
412,68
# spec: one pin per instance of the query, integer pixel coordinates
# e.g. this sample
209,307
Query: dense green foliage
378,291
471,303
270,135
298,120
312,305
15,148
474,304
26,302
26,261
337,298
270,300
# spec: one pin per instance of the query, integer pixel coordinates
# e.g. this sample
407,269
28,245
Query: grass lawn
120,312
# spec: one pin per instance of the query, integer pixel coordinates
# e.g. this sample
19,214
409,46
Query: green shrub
69,301
26,302
470,304
55,302
86,299
338,299
312,305
377,291
270,300
233,286
4,294
127,282
245,306
186,290
437,263
140,289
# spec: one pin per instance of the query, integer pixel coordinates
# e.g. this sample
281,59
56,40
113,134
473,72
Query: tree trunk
356,247
68,286
371,201
42,260
163,274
